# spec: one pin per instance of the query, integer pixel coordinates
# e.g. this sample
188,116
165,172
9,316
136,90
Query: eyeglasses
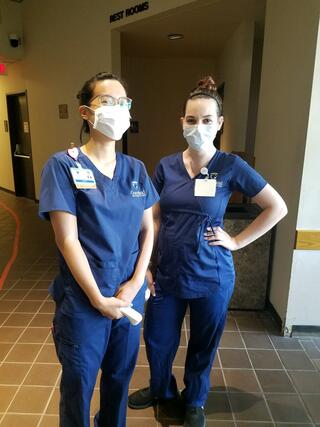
109,100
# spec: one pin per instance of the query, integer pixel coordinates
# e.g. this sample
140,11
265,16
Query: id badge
205,187
83,178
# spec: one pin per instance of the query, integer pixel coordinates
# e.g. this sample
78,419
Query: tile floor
258,379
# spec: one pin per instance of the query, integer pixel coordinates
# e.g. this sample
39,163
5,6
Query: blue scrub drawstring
205,223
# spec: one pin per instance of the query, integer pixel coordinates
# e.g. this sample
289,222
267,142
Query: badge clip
73,152
204,171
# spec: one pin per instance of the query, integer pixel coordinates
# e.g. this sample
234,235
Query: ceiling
206,26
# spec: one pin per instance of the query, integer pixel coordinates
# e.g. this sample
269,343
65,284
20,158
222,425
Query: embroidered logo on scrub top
136,190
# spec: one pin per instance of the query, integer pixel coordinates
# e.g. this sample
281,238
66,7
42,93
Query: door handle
23,156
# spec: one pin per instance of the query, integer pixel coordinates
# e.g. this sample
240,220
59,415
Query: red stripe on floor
15,247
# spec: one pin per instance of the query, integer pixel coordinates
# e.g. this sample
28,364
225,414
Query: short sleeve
246,179
151,193
158,178
57,190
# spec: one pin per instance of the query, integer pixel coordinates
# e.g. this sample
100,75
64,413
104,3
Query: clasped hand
110,306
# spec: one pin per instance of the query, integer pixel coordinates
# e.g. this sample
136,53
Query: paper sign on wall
25,127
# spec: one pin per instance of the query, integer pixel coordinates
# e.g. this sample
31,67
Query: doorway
20,142
215,38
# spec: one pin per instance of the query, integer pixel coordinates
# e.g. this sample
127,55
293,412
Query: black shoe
141,399
194,417
173,408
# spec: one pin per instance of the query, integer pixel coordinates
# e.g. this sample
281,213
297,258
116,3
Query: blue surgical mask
200,137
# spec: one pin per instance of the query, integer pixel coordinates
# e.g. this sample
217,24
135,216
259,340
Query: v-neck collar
116,169
183,166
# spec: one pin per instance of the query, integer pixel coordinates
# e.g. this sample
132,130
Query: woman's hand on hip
110,307
216,236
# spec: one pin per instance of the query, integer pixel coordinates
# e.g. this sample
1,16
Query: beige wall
159,88
52,72
65,42
234,66
155,7
287,72
309,206
304,284
10,22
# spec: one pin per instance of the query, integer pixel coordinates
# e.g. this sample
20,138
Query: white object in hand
147,294
134,316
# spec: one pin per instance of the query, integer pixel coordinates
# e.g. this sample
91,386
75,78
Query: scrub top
108,219
188,267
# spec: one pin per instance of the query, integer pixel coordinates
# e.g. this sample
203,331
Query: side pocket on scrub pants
67,351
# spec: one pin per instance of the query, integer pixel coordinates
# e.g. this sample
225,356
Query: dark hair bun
207,83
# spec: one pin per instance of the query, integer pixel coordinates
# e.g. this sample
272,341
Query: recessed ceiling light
175,36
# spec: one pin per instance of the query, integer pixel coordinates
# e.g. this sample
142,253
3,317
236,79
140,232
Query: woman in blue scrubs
99,203
194,262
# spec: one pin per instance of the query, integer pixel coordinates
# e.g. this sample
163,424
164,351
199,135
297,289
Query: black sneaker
141,399
194,417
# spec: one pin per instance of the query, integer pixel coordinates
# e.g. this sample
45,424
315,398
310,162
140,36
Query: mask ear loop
93,111
82,130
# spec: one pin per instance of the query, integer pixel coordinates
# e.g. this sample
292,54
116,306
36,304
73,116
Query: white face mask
200,137
111,120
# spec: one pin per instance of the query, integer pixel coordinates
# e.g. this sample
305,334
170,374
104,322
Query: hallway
258,378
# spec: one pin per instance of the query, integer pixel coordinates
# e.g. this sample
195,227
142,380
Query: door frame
25,93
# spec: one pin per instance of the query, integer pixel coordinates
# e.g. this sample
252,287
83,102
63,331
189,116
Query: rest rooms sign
130,11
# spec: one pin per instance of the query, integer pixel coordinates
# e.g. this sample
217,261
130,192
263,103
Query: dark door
20,145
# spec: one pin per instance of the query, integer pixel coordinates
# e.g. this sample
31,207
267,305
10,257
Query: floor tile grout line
257,379
316,344
23,299
268,422
49,399
236,369
17,341
26,271
226,388
293,385
28,325
311,360
6,318
238,348
32,265
24,378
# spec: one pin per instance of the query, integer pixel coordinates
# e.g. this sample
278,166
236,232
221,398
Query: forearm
79,266
146,243
267,219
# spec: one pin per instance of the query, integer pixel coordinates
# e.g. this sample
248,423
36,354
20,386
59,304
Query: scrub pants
162,329
86,342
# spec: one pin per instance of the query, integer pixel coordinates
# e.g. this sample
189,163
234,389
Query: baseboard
274,314
305,330
7,191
